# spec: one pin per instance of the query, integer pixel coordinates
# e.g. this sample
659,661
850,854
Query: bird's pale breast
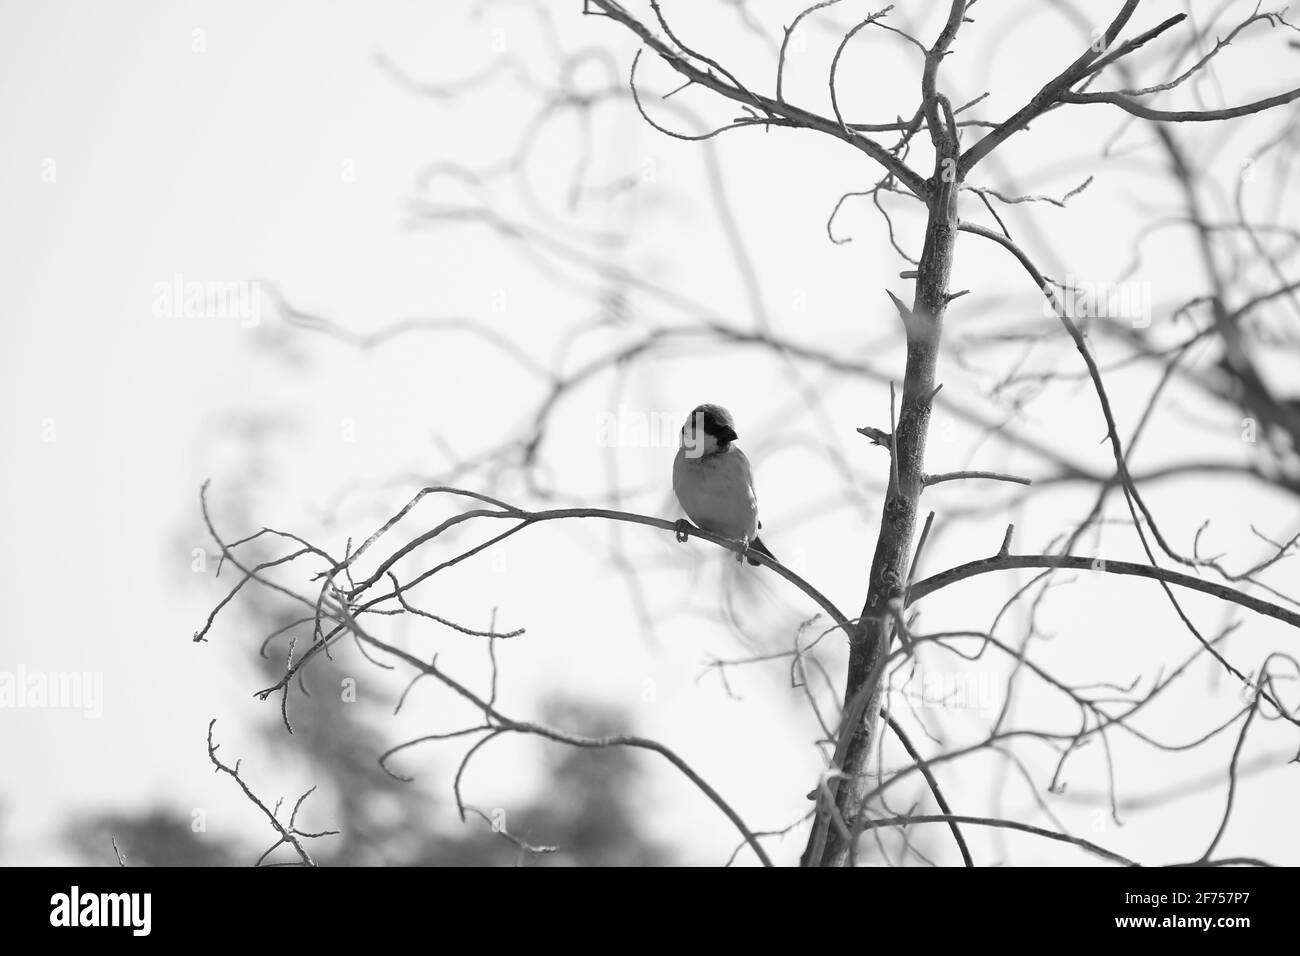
717,492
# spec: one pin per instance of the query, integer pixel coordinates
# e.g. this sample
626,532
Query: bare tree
925,168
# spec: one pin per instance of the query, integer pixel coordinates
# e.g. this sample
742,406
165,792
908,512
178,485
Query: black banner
952,904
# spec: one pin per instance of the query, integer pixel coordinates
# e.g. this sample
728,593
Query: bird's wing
748,472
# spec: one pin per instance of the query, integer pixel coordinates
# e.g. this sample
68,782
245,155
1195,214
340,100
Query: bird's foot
680,530
743,553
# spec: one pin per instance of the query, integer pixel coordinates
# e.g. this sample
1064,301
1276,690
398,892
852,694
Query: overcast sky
157,143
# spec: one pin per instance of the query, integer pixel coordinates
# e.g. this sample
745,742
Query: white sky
234,164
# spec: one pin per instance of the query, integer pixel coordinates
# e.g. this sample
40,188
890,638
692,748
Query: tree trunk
869,643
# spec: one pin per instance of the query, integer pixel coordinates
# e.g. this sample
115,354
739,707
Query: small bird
714,483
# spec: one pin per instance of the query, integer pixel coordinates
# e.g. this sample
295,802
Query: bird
714,483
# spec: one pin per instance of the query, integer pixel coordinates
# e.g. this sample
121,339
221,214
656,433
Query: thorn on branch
878,437
903,311
678,89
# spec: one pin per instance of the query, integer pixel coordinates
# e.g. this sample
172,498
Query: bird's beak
726,434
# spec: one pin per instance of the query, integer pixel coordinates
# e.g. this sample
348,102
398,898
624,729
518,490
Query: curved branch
527,518
1008,562
1133,107
1049,95
1006,825
933,784
1132,496
796,116
505,724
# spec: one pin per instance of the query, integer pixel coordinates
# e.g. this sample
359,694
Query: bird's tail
758,545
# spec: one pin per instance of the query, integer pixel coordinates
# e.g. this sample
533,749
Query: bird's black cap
717,422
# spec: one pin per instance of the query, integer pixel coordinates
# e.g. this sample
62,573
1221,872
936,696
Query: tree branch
504,724
1008,562
793,115
1132,106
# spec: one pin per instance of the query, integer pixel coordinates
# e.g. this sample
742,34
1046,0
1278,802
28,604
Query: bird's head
708,429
